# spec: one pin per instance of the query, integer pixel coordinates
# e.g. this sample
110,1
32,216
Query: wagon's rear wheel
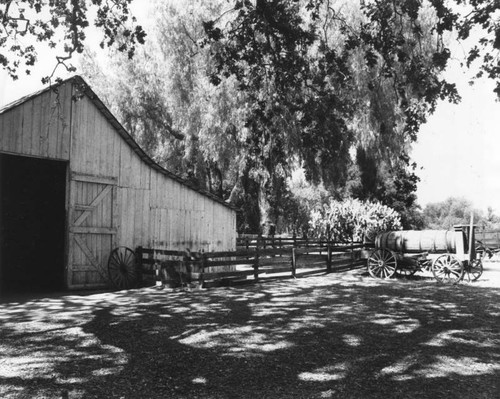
122,268
382,263
447,269
474,270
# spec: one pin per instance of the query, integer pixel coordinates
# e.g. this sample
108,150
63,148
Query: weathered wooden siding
95,147
39,127
152,208
182,218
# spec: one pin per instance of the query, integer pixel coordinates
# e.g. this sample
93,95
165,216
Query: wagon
449,254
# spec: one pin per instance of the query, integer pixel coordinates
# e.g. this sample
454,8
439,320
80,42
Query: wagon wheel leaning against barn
122,268
382,263
447,269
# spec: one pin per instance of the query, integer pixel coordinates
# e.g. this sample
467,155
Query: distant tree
453,211
491,221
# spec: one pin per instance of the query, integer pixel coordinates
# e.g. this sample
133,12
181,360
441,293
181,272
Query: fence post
329,259
204,261
138,261
256,264
294,263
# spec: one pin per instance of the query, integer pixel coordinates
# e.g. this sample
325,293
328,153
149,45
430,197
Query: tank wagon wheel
447,269
474,270
382,263
122,268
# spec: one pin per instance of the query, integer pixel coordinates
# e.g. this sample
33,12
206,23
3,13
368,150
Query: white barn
74,185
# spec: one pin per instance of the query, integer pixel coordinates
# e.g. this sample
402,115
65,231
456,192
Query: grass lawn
343,335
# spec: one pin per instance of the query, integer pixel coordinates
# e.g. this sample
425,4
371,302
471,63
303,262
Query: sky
458,149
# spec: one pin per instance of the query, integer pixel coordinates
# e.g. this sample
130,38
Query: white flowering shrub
353,220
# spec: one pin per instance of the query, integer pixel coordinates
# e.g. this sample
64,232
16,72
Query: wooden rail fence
253,241
252,262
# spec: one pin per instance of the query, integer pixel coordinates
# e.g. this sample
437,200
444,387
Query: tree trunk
235,192
265,210
209,179
218,172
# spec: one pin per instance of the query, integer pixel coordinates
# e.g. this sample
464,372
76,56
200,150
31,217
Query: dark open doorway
32,224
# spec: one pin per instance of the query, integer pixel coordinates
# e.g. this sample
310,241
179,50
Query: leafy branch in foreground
62,26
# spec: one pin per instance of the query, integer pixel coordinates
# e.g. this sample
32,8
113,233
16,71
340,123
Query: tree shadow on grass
332,336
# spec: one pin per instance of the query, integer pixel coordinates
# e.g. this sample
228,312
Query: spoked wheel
122,268
474,270
447,269
382,263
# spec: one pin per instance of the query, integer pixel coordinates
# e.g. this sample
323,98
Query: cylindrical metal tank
414,241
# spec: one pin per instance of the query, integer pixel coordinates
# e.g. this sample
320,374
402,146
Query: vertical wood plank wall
40,127
152,208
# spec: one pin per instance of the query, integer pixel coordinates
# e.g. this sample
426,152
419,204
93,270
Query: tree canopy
324,79
237,94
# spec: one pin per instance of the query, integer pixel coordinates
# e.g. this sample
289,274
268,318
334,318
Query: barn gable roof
85,89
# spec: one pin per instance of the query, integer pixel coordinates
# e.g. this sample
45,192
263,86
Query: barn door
92,230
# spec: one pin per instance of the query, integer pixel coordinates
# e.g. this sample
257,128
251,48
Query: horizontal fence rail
254,241
252,261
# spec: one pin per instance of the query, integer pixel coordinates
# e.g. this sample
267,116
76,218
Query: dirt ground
342,335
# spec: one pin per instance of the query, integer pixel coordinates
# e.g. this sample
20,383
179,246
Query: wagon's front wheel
122,268
382,263
447,269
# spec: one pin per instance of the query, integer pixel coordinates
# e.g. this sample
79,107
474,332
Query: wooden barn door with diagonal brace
92,229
